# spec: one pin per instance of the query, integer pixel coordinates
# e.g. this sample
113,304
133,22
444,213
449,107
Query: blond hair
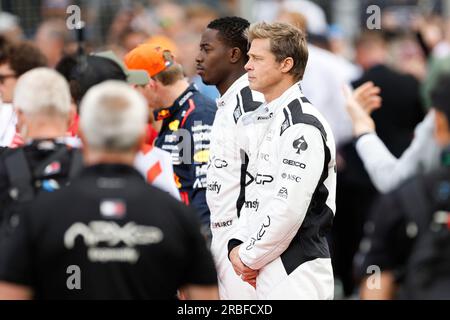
285,41
170,75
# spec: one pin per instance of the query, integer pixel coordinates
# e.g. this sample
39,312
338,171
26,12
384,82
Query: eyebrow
253,55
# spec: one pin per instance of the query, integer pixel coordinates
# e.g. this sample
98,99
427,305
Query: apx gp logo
260,179
219,163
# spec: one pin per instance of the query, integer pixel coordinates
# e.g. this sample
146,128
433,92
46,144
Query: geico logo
112,234
294,163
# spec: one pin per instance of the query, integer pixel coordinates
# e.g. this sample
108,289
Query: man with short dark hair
220,62
83,72
15,60
187,117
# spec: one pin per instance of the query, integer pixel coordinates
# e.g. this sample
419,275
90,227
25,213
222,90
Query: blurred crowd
402,59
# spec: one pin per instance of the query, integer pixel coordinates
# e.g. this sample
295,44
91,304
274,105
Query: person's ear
20,119
287,65
154,84
235,55
442,129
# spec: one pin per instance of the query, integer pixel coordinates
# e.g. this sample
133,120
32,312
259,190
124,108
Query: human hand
247,274
368,97
360,103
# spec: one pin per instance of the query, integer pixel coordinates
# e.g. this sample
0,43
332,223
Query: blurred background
122,24
411,41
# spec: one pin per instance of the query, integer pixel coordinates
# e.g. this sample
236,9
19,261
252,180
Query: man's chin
207,81
253,86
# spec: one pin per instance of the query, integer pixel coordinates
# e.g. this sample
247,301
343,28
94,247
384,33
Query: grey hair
42,91
113,116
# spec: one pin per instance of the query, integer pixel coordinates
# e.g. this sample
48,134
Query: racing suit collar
264,112
165,113
295,87
274,106
221,101
267,111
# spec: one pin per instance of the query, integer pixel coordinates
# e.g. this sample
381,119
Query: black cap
92,70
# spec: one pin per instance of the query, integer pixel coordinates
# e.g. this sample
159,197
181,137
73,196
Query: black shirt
389,233
35,153
128,239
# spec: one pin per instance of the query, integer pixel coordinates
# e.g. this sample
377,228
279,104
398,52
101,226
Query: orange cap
164,42
150,58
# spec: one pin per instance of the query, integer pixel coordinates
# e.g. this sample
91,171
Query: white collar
221,101
263,111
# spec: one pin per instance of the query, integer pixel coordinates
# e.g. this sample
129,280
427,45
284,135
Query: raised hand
368,96
360,103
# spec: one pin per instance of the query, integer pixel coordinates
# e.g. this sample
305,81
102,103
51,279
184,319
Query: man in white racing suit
280,246
221,62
